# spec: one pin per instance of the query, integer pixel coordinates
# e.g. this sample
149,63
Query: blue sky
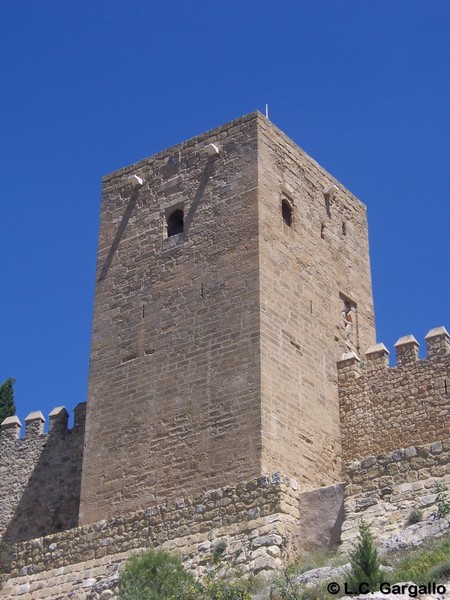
89,87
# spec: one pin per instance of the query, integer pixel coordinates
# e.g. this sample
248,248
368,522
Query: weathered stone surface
40,488
385,409
322,574
321,516
386,502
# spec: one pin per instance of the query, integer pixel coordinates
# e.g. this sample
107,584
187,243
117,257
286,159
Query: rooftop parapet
79,416
59,417
348,365
407,348
384,408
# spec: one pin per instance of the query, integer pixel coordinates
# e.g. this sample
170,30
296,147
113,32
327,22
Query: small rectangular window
175,222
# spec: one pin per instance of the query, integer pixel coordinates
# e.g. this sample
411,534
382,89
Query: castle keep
214,349
235,379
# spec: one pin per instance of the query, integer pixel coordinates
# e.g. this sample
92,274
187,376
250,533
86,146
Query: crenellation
40,486
407,349
79,419
34,424
10,429
438,342
59,418
383,408
349,367
377,357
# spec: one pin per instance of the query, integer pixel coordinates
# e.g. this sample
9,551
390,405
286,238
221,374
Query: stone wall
40,475
174,380
315,303
181,524
260,522
384,408
384,489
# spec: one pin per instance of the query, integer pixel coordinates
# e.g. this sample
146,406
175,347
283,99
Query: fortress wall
384,489
258,520
40,474
307,270
385,408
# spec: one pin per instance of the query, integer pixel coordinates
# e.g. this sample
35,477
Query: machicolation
230,398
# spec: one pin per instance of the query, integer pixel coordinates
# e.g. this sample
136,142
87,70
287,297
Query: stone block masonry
228,284
259,520
173,404
385,408
40,474
315,303
384,489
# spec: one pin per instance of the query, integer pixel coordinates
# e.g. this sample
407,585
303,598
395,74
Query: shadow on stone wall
42,482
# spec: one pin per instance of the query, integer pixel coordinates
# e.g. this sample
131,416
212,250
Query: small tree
7,406
364,563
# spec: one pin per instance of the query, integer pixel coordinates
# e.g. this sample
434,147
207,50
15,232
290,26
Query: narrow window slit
286,212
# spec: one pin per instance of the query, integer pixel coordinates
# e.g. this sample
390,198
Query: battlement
407,351
383,408
41,478
34,424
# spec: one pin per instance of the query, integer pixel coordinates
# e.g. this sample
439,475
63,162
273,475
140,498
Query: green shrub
440,573
364,562
284,587
219,549
154,575
415,516
222,588
442,499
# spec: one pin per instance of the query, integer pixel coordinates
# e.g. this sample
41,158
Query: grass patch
286,587
416,565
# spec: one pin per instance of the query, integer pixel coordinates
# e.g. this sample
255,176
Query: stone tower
233,271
